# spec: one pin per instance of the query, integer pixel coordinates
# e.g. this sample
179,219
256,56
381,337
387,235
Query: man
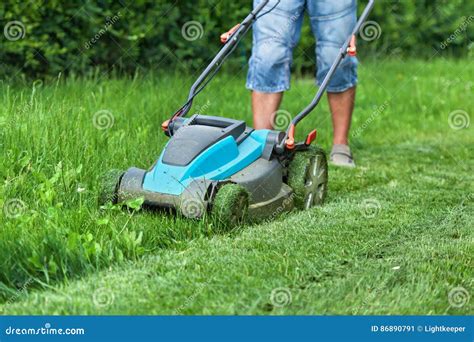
275,34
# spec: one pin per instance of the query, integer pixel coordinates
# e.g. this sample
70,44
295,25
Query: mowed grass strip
398,226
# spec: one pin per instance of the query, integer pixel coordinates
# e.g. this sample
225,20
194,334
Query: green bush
46,38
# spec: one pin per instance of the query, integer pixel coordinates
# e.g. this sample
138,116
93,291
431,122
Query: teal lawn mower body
219,152
221,166
223,158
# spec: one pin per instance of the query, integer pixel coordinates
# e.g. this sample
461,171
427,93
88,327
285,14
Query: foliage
80,36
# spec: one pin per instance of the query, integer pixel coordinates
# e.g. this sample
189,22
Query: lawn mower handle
280,148
215,64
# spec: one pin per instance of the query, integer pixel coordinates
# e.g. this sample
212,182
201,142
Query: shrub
45,38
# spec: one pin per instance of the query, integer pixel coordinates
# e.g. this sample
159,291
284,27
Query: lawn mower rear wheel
308,177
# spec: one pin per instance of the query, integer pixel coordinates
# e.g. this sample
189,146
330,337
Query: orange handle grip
225,36
351,49
290,141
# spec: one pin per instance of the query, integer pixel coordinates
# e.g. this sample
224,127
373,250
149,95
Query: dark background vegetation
148,34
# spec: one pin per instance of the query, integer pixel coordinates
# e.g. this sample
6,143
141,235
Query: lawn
395,235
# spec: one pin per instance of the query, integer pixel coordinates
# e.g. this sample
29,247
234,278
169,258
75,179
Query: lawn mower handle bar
233,40
342,53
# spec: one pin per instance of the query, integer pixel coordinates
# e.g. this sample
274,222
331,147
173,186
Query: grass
394,237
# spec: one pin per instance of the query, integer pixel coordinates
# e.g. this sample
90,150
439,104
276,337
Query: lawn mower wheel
109,185
308,177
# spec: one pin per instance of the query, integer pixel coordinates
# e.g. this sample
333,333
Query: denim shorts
276,34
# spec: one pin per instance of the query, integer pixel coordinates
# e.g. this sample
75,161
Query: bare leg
342,105
264,105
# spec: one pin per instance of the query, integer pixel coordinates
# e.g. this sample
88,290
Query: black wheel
230,205
308,177
109,185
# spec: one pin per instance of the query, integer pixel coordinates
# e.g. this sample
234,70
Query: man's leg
341,105
332,22
274,36
264,107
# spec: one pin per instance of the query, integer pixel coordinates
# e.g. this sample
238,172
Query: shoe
341,156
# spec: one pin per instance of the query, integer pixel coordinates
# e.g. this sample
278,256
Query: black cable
210,77
271,9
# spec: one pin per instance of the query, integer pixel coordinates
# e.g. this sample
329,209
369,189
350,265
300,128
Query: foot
341,156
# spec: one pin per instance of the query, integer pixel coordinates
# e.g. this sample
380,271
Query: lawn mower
221,167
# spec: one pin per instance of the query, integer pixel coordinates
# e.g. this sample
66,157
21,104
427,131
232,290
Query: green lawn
394,237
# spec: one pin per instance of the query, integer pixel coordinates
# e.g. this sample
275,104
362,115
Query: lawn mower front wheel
230,206
308,177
